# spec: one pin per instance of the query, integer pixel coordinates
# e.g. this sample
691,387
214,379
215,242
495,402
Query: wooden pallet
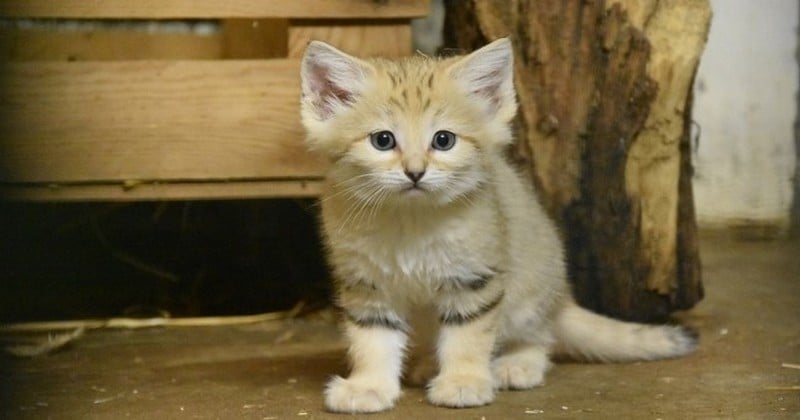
109,114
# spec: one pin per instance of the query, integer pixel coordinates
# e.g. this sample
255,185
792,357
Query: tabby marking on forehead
411,83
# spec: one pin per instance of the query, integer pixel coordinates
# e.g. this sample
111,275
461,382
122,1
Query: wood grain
363,38
194,9
254,38
104,45
655,166
213,190
238,39
151,120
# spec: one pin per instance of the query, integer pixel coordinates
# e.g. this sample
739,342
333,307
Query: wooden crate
109,114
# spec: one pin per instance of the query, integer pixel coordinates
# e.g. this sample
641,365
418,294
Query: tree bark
604,132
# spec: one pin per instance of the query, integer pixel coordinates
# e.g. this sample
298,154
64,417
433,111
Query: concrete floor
748,324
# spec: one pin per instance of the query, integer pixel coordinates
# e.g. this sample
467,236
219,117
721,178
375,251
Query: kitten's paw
508,374
357,395
522,369
463,390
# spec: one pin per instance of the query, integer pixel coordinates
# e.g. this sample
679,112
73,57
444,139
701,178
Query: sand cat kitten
434,238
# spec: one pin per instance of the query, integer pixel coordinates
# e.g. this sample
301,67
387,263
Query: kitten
431,233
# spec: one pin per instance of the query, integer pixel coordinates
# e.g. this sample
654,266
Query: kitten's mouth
414,190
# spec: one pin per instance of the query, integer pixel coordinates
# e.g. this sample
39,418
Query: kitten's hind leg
521,366
376,355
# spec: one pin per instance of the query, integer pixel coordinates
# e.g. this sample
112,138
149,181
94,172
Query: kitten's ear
330,80
488,76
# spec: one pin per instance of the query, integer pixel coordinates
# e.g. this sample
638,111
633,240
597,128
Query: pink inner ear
326,92
489,86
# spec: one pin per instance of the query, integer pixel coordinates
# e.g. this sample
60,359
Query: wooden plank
238,39
39,44
198,9
163,191
362,38
254,38
151,120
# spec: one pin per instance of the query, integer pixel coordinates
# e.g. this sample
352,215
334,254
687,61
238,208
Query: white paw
461,390
518,373
357,395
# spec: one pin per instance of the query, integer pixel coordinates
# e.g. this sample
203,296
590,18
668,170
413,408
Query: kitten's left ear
330,79
488,76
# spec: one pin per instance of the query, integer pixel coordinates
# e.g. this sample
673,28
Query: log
603,131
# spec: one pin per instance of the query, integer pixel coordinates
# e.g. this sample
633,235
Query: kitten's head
420,127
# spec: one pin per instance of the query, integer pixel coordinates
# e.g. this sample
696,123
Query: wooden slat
171,191
166,9
254,38
362,38
238,39
151,120
39,44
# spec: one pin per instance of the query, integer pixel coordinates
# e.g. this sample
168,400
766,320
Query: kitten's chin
423,197
414,193
413,197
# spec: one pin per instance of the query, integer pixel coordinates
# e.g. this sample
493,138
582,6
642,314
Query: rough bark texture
604,91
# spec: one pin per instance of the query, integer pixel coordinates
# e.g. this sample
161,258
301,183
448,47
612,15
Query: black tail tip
687,338
691,333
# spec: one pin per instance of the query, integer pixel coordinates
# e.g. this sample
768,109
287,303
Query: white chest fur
417,249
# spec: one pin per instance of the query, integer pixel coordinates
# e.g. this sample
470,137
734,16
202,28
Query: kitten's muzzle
415,176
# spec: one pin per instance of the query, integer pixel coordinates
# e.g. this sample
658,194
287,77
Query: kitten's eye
443,140
382,140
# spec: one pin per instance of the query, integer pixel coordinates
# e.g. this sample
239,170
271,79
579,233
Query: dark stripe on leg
457,318
475,282
377,319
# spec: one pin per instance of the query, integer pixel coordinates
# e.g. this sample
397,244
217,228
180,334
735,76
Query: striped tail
589,336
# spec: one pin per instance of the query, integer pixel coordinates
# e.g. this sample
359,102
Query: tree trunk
604,130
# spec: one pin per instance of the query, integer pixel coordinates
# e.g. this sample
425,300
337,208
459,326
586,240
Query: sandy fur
468,267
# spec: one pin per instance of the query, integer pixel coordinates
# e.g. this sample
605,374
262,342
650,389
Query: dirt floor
746,366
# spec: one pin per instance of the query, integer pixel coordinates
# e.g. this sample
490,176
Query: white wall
746,107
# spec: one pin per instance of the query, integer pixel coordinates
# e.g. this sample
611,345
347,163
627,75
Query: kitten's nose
415,176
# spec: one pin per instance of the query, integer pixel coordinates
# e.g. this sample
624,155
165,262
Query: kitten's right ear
330,79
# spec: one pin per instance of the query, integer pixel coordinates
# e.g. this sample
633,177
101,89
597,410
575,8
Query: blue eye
382,140
443,140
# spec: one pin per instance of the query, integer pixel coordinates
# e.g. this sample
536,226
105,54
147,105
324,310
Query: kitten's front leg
465,348
377,342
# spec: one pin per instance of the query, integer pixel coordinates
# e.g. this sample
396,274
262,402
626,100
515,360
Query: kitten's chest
417,253
420,251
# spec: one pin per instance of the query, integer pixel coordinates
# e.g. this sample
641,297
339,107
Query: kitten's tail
590,336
